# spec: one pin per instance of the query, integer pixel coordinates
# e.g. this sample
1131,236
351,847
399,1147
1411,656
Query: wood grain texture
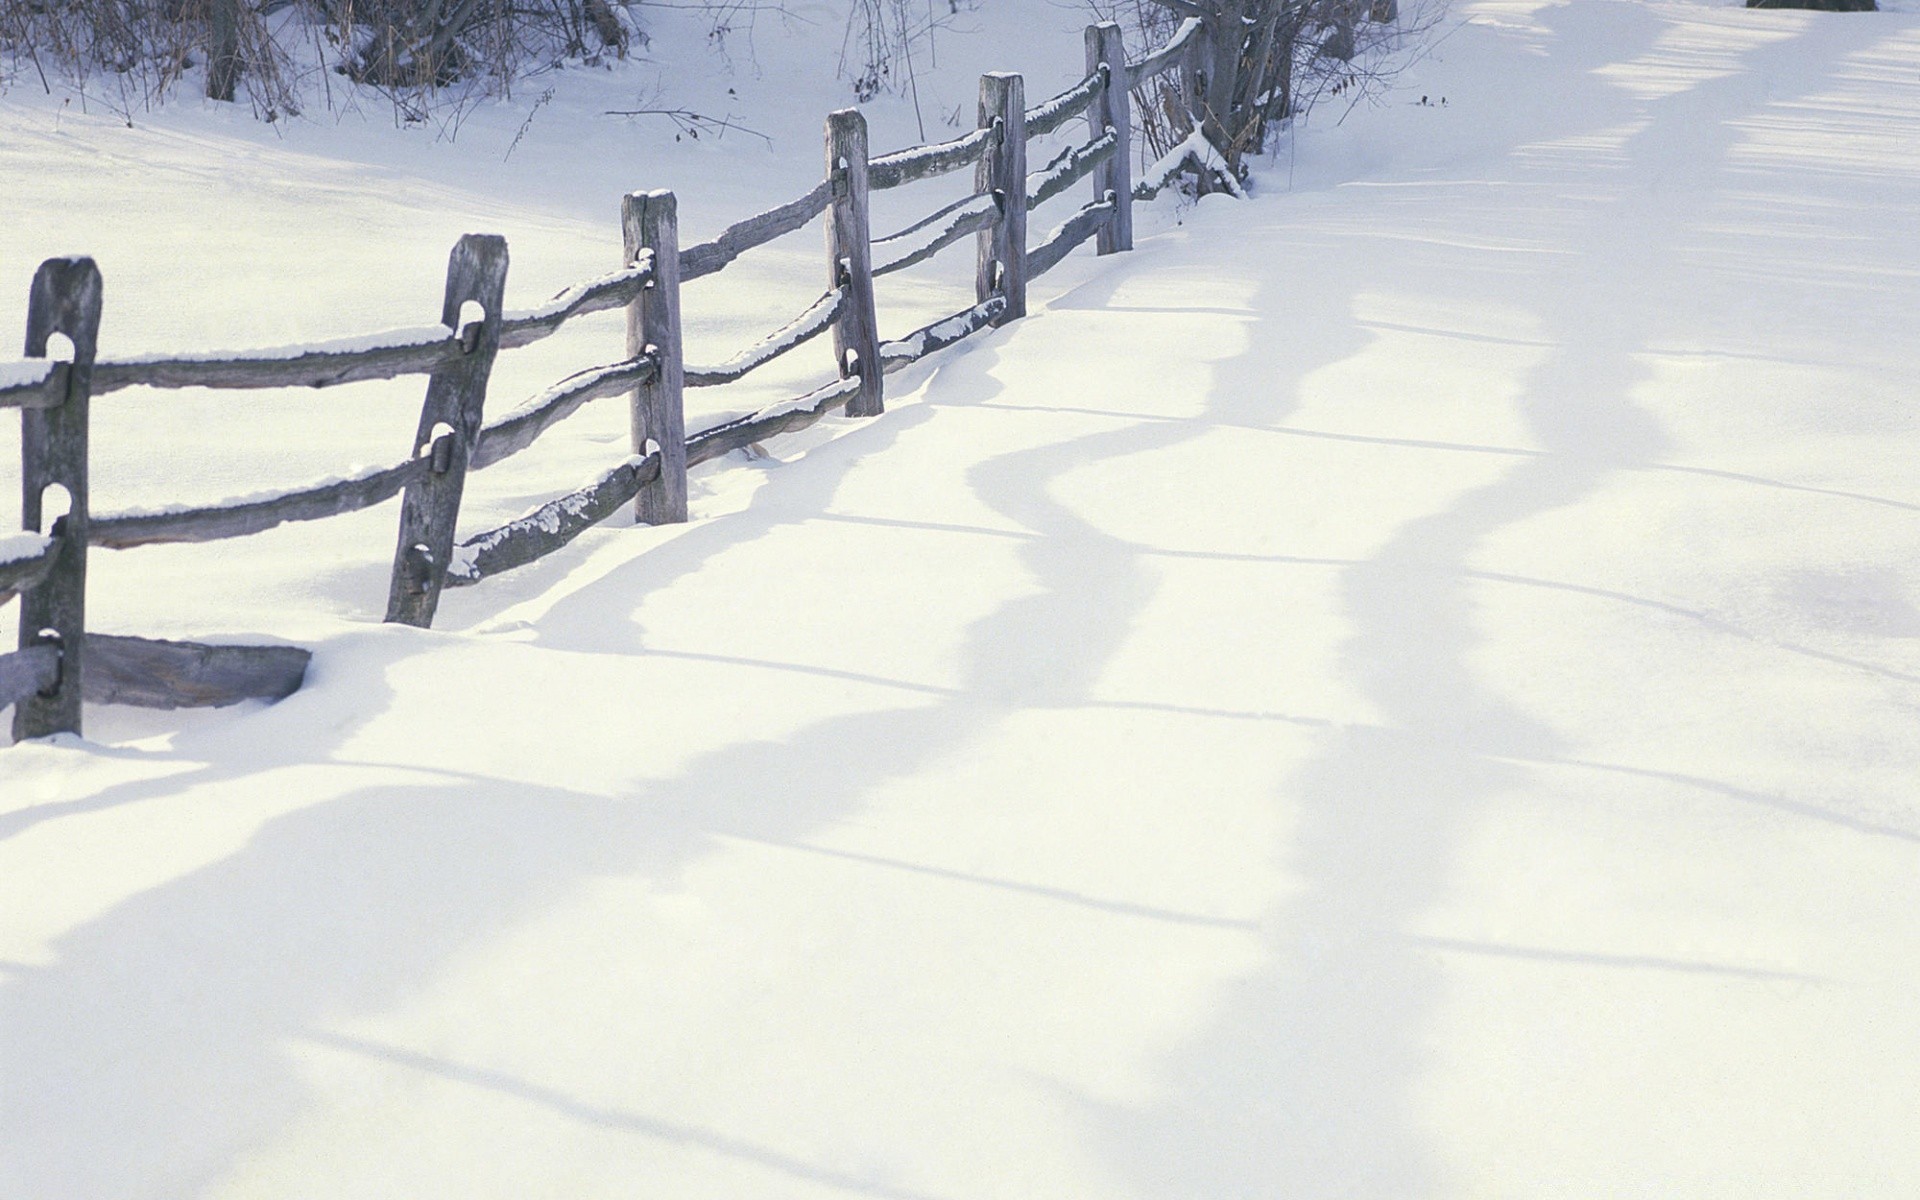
212,523
1073,164
150,673
856,340
771,422
816,320
512,432
1000,260
757,230
19,574
1084,224
560,521
657,422
1044,118
65,299
925,162
937,335
43,389
456,400
931,234
596,295
1168,56
403,352
551,526
1110,114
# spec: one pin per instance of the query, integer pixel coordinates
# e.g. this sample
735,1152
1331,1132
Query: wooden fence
59,663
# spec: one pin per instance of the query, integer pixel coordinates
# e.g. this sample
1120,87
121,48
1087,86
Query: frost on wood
1076,229
515,431
1068,167
925,162
1166,56
915,244
1050,115
785,417
816,320
24,380
407,351
610,291
24,558
18,547
550,526
743,235
942,333
255,512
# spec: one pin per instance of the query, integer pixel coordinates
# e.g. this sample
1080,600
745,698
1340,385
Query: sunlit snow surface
1406,686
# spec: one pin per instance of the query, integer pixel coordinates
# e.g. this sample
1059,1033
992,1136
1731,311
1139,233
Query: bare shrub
1267,62
409,50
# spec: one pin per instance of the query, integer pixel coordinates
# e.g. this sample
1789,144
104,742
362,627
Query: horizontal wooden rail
757,230
616,290
559,521
171,674
1166,56
1076,229
24,559
1049,115
914,244
151,673
550,526
387,355
513,432
33,383
1070,167
28,672
255,514
816,320
938,335
770,422
926,162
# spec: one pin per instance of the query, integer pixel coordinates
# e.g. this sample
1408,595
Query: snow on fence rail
59,663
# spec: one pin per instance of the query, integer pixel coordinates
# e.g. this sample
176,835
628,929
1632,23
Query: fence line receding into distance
58,664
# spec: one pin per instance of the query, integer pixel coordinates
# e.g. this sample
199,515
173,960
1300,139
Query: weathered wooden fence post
1002,174
856,337
456,399
1110,111
650,221
53,452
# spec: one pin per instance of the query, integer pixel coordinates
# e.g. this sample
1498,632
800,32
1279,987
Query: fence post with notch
53,453
1110,112
450,422
1002,174
856,338
650,221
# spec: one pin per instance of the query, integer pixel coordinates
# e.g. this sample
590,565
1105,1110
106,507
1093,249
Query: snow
25,372
388,339
1401,686
16,546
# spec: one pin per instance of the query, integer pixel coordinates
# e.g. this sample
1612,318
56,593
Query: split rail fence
59,663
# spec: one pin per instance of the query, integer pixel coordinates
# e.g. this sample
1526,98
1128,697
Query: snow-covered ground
1405,686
